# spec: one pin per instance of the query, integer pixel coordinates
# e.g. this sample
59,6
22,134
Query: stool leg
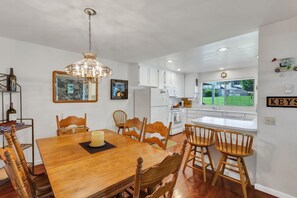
203,164
241,177
218,170
210,160
187,158
246,172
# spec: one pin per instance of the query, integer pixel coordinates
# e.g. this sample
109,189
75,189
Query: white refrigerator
152,103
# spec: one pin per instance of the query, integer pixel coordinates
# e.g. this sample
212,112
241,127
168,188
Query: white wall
33,66
277,145
234,74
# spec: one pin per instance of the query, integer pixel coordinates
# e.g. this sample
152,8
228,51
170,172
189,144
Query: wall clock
223,75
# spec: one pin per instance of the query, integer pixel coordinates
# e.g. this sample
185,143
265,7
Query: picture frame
71,89
118,89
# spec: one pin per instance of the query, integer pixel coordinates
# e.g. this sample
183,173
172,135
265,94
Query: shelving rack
22,123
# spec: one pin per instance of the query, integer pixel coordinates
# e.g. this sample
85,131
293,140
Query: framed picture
70,89
118,89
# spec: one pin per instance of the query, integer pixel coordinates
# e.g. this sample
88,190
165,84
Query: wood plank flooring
189,185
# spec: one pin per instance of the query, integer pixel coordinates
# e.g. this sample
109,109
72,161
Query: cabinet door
190,85
180,85
162,79
154,77
143,75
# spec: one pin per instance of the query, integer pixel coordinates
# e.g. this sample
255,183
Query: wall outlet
288,88
269,120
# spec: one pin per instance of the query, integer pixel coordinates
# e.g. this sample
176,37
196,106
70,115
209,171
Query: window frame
226,80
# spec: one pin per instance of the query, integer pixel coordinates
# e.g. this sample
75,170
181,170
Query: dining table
74,172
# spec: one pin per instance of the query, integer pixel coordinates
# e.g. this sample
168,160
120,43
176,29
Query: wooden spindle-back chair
159,128
132,126
157,178
119,118
233,146
199,139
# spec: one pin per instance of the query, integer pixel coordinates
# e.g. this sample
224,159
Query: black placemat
93,150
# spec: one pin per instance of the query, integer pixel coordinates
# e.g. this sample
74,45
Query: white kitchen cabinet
148,76
179,85
154,77
190,82
161,79
170,78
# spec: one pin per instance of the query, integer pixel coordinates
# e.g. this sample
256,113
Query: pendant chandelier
89,68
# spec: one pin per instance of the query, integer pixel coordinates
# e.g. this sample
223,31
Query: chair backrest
132,126
153,178
15,173
71,124
159,128
199,135
233,143
119,117
14,143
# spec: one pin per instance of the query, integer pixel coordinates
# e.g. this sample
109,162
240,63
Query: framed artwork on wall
118,89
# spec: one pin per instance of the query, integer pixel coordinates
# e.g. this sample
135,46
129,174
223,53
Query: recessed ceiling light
221,68
222,49
178,69
170,61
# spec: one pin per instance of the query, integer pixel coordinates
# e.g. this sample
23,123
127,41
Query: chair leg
195,152
119,130
210,160
187,158
241,177
203,164
218,170
246,172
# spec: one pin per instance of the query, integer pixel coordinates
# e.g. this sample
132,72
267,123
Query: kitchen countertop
227,123
222,110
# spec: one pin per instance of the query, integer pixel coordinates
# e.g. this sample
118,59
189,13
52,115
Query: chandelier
89,68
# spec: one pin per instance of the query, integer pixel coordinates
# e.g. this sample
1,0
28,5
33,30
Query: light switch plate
288,88
269,120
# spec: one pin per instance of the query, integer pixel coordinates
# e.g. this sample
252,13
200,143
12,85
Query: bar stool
199,137
233,146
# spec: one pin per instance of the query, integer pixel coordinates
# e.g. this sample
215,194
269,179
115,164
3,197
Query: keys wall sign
282,101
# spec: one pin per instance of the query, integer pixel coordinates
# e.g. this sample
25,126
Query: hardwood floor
189,185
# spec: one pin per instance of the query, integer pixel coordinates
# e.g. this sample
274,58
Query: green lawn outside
231,100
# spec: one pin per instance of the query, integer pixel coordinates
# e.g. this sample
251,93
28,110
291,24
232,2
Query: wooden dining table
74,172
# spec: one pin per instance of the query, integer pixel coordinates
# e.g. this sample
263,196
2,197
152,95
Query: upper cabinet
180,85
190,83
148,76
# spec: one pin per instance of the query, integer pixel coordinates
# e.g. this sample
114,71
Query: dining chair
17,176
39,181
234,146
199,138
133,128
157,128
160,179
119,118
71,124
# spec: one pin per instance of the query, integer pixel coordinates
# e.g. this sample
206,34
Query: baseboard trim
272,191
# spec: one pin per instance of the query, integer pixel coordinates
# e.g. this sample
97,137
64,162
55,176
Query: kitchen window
229,93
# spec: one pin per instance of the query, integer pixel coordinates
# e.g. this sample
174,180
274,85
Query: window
229,93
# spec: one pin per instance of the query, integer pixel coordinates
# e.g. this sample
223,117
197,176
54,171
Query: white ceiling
241,52
136,30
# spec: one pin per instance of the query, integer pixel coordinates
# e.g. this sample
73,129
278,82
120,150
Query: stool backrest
199,135
233,142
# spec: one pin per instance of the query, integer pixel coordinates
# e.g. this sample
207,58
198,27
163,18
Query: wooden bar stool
199,137
233,146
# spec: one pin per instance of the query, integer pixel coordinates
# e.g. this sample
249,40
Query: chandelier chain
90,35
